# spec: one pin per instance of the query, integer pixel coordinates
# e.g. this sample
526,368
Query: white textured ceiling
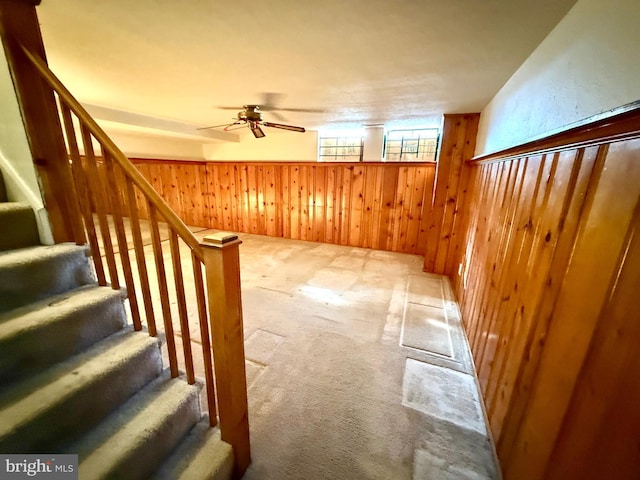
361,61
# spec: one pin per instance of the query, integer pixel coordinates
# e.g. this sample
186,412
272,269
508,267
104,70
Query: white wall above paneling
284,146
353,63
587,65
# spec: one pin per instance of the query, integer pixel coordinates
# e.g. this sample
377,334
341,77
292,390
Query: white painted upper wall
146,146
587,65
276,146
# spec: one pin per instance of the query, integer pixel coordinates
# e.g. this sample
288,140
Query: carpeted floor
357,366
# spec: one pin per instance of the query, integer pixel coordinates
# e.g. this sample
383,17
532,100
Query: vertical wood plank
370,205
457,146
602,423
355,209
285,210
346,197
295,196
598,247
331,185
376,213
261,204
338,205
388,205
320,202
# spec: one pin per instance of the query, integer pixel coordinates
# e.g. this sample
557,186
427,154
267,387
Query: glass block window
417,145
338,148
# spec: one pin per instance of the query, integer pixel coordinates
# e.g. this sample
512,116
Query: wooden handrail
123,162
107,189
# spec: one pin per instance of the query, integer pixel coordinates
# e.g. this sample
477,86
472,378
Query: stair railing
111,194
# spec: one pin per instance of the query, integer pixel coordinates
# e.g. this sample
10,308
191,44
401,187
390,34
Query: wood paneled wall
546,281
448,210
373,205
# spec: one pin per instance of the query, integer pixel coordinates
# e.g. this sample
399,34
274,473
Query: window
417,145
340,147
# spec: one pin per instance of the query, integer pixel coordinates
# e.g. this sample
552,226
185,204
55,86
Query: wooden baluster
205,339
222,263
138,246
123,248
74,156
164,291
84,202
96,188
182,306
87,204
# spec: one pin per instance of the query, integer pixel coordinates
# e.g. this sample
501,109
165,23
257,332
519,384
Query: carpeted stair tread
42,333
62,402
33,273
202,455
19,227
135,439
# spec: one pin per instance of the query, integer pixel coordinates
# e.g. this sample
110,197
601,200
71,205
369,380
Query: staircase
76,378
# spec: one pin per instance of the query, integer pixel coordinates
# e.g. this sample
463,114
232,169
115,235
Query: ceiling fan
252,116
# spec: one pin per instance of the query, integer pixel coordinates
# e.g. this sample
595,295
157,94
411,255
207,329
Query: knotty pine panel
448,210
372,205
367,205
544,276
602,422
588,282
183,185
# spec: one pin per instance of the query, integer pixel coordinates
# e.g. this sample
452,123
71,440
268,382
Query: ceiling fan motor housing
250,113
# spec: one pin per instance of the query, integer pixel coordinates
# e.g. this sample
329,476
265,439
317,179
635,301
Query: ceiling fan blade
275,114
270,101
256,130
217,126
284,127
303,110
225,125
234,126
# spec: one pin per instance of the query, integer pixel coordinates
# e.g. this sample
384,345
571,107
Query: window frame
412,138
341,157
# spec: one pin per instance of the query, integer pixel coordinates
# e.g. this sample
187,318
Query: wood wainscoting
385,206
547,279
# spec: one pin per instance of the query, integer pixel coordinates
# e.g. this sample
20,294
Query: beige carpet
357,366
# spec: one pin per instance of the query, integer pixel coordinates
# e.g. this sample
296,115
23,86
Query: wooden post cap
219,239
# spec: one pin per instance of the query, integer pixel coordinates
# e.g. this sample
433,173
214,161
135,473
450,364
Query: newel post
222,265
19,25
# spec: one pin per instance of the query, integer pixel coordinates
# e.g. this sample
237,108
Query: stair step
202,455
51,330
33,273
19,227
63,402
134,440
